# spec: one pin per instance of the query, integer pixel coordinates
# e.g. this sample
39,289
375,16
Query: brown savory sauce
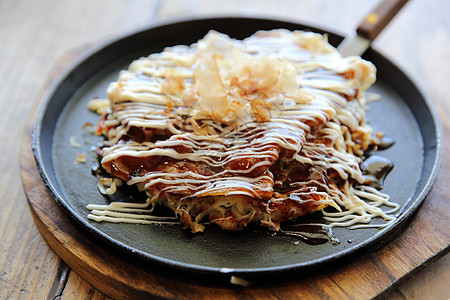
375,169
312,234
385,142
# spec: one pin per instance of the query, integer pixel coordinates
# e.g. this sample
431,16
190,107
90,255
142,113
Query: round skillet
403,113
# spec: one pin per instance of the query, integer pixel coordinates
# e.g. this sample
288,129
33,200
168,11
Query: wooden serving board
369,274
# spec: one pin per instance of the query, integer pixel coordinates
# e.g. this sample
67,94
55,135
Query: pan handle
379,17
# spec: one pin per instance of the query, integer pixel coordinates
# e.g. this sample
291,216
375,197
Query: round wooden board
367,275
121,277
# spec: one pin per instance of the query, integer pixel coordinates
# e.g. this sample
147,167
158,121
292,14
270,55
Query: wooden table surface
34,35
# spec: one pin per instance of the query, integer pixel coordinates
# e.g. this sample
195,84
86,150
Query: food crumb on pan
239,281
74,143
81,158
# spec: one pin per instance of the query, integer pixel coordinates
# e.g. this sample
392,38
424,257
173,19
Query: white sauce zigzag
234,109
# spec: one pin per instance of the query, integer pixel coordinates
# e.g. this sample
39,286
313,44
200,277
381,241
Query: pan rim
44,169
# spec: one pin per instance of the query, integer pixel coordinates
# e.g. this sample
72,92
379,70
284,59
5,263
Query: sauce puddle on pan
314,231
311,229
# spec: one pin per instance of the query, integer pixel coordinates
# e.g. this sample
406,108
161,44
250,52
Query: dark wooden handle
378,18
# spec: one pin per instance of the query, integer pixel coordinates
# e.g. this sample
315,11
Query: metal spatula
359,41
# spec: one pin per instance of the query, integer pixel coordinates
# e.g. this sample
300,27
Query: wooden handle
378,18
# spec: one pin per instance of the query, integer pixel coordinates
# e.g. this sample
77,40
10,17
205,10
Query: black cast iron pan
403,113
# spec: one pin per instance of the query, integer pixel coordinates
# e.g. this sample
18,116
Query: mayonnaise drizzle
237,107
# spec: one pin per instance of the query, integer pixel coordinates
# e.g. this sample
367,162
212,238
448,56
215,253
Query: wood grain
34,34
368,275
77,284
